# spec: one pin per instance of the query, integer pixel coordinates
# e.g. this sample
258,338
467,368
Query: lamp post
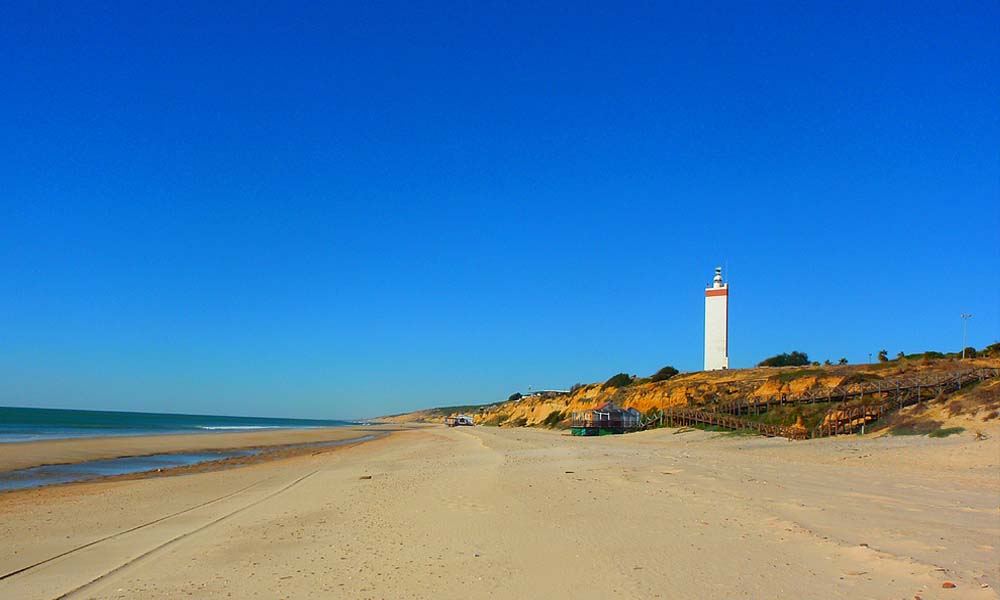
869,358
965,329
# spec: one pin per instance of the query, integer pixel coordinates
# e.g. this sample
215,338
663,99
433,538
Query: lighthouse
717,323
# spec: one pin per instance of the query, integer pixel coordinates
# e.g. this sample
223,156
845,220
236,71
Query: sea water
29,424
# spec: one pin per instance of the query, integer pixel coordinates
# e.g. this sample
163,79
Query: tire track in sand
49,578
129,530
164,545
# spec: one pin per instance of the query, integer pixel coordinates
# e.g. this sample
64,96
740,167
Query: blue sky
342,211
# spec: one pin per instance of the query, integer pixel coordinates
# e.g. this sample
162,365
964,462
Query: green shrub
795,359
664,374
860,377
793,375
619,380
941,433
553,419
811,415
909,426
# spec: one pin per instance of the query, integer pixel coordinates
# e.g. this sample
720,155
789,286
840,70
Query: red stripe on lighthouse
716,292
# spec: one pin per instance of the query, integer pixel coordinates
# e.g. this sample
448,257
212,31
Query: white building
717,324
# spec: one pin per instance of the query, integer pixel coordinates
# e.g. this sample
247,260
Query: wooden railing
685,416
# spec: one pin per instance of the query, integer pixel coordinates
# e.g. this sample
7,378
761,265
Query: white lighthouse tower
717,324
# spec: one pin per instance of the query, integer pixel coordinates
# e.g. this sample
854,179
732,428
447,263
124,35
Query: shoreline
263,454
16,456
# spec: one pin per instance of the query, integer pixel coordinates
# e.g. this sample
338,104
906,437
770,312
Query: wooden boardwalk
876,399
685,416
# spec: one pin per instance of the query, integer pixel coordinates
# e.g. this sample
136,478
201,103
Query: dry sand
522,513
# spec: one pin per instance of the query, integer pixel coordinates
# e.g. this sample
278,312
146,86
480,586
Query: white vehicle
460,420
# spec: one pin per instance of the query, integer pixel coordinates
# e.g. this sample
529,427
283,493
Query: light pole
869,358
965,329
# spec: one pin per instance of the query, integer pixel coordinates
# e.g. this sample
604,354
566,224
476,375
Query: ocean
27,424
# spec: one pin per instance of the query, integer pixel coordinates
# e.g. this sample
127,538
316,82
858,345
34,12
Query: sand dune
523,513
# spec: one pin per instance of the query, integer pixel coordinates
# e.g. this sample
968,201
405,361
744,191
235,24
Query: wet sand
22,455
523,513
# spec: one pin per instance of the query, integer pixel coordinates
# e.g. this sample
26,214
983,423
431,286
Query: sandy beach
526,513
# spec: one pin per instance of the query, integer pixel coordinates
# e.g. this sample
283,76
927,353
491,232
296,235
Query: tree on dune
664,374
793,359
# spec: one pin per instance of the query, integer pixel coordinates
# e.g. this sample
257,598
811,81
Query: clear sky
345,210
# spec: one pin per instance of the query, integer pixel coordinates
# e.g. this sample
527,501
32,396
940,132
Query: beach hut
606,419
